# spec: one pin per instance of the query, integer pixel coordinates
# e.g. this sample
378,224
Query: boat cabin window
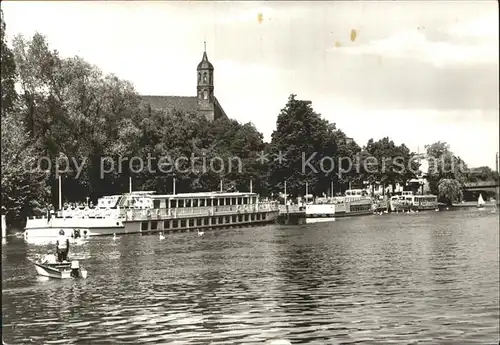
156,203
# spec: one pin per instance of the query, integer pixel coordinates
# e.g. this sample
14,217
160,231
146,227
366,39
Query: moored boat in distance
407,202
140,212
356,202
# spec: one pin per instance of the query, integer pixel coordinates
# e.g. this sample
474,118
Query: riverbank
473,204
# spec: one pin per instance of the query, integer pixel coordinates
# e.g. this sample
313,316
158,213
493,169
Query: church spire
205,87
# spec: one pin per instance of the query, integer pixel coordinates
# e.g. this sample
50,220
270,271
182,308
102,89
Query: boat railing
167,213
91,213
131,214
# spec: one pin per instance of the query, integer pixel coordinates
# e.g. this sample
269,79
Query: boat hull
39,228
319,220
362,207
60,270
198,222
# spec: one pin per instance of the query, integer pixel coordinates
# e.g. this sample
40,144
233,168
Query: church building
204,103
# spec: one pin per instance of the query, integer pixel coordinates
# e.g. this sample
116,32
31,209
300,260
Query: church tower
205,88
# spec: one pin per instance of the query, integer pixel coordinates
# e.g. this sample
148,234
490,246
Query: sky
417,72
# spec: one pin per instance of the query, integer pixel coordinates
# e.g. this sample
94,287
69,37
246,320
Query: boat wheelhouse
208,210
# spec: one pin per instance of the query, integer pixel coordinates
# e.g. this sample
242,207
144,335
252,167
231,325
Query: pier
291,214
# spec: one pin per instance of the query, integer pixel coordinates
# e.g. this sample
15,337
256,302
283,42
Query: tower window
205,77
205,94
199,77
211,78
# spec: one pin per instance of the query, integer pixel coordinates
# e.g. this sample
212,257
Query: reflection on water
428,277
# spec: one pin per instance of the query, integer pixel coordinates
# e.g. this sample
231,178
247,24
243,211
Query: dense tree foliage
389,164
24,189
483,173
449,190
302,149
8,67
443,164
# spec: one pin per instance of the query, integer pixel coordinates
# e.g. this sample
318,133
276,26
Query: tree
483,173
450,191
392,164
8,71
24,191
348,161
443,164
307,143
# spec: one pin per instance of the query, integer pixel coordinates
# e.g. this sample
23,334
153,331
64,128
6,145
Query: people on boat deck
62,247
50,258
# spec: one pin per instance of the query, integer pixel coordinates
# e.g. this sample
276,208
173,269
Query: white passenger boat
105,219
60,270
354,203
408,201
198,211
140,212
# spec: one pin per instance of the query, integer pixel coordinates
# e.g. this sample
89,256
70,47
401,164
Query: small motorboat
60,270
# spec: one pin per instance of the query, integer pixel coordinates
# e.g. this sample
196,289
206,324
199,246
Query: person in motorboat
62,245
50,258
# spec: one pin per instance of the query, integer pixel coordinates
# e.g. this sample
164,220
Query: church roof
187,104
205,64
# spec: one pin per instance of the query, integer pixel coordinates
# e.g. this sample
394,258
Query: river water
404,279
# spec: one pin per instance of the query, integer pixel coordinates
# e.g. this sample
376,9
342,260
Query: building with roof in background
204,103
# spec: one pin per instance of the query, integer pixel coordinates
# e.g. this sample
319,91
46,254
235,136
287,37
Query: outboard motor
75,268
